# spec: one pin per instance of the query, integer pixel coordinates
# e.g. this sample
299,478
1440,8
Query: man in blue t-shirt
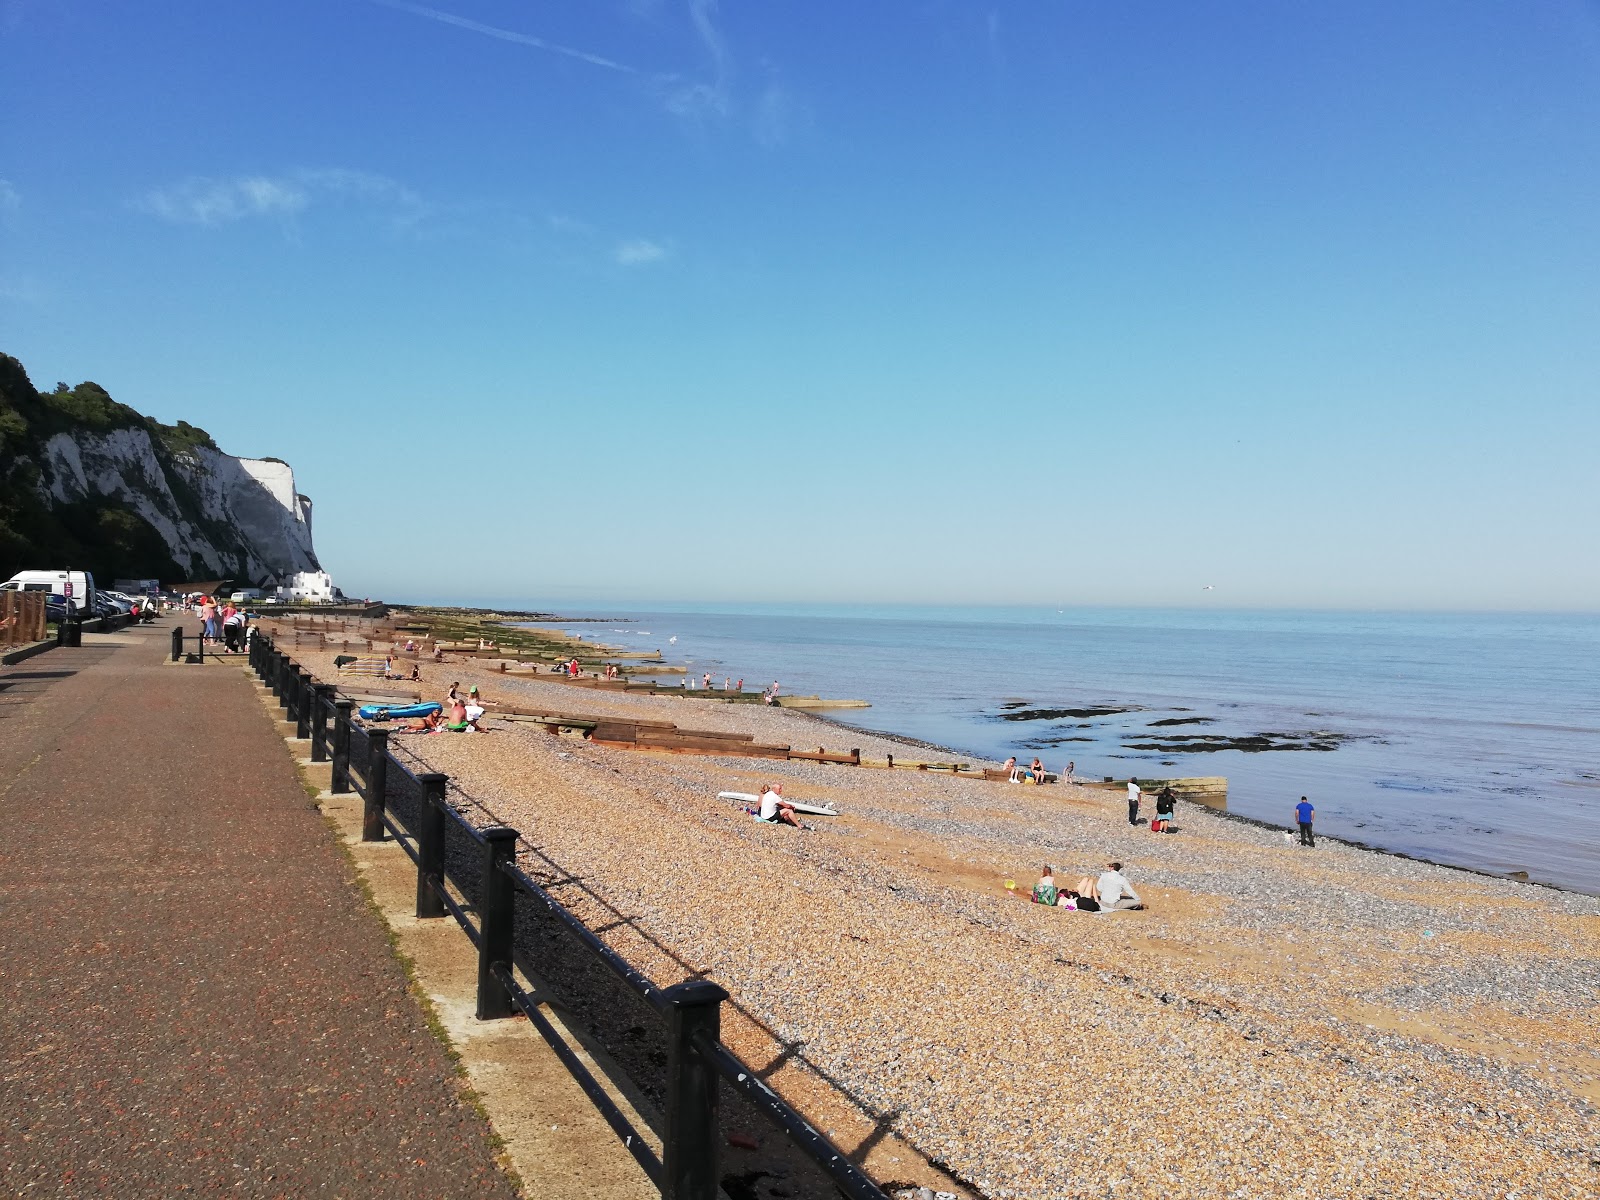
1304,813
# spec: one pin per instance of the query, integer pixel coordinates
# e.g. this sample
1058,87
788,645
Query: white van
76,586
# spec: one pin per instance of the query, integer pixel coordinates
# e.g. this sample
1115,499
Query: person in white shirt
1133,802
774,808
1114,890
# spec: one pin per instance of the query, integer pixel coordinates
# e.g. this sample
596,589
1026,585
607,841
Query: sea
1466,739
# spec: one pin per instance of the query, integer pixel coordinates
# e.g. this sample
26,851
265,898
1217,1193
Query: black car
55,607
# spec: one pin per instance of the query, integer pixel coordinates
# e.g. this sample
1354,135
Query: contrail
505,35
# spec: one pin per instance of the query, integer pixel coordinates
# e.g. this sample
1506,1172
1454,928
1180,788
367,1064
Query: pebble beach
1279,1021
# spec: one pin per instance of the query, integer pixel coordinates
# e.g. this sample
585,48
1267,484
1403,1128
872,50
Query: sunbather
1044,892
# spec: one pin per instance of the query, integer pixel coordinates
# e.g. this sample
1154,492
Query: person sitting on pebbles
775,808
1114,891
1036,770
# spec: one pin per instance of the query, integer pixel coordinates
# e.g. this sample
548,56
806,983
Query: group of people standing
1166,805
223,623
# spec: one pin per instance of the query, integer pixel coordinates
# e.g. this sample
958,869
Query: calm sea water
1468,739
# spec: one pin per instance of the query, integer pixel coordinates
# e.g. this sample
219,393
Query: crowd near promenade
1272,1019
196,997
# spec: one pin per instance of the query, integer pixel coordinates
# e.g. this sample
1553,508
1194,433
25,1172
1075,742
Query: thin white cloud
997,54
698,101
205,201
220,201
504,35
773,115
638,251
10,198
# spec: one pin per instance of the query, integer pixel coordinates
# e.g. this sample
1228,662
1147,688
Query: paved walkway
193,995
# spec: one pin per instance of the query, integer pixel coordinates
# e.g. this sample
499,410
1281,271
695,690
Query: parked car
55,607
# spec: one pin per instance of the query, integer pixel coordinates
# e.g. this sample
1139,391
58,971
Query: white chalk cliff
219,515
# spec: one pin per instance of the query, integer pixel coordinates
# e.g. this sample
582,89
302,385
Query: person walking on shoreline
1304,813
1133,802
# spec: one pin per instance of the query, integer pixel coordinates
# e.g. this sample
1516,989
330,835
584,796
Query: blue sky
672,300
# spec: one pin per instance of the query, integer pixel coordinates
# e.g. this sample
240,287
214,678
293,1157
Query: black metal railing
481,892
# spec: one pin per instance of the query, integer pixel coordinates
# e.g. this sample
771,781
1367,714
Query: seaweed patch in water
1055,714
1046,743
1250,743
1184,721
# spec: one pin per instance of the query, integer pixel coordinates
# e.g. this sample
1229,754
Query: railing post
497,906
340,782
377,785
291,693
177,642
302,704
690,1147
278,659
430,845
321,698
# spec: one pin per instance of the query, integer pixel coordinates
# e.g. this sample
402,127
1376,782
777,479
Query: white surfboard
814,810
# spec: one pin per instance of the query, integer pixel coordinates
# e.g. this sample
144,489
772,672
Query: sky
1057,302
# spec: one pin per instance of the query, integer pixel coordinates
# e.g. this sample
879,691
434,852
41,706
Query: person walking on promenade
1304,813
208,619
1133,802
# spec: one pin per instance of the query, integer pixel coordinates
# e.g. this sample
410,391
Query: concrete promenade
193,995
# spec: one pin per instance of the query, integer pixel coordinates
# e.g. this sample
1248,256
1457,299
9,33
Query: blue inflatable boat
397,712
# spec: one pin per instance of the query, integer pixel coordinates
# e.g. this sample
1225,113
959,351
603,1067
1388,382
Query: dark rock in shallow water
1055,714
1251,743
1046,743
1184,721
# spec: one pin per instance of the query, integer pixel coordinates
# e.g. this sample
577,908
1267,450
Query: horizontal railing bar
467,826
401,835
459,912
807,1138
626,971
607,1107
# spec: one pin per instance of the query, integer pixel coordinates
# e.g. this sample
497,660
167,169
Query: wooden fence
22,618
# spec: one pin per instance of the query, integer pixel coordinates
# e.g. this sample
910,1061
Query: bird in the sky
1207,588
673,640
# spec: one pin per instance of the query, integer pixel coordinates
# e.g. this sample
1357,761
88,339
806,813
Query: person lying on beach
425,724
774,808
1114,891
